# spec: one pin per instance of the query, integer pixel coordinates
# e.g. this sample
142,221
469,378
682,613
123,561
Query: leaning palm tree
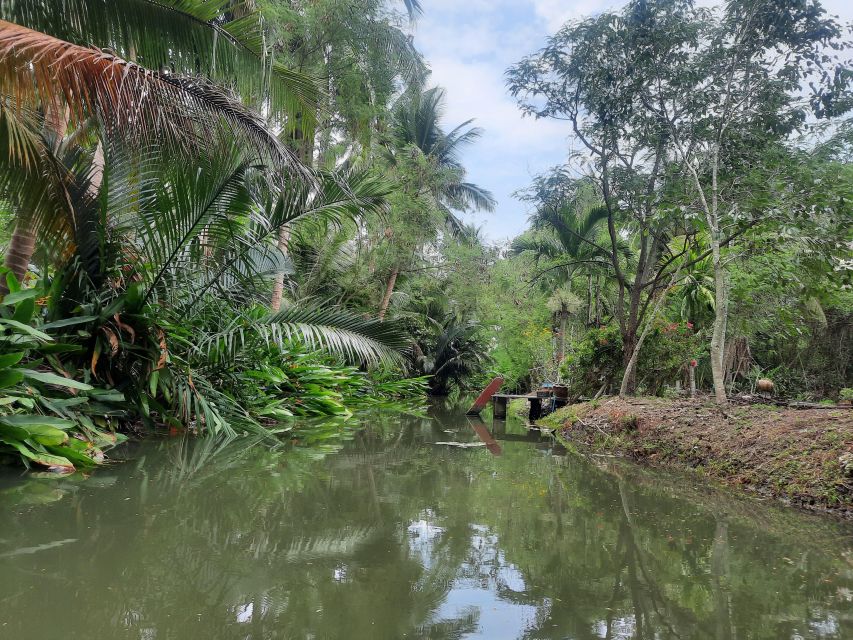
417,131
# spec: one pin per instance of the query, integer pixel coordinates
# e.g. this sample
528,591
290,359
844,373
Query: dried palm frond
226,41
37,69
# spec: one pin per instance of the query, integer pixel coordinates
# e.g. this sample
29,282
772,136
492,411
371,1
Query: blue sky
469,44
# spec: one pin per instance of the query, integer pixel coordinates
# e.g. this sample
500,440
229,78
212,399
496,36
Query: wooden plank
483,399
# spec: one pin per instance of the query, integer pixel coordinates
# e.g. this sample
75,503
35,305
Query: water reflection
397,537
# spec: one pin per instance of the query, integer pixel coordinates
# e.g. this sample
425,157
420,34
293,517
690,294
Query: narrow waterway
396,536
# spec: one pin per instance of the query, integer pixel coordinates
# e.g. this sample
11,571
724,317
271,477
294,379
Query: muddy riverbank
801,456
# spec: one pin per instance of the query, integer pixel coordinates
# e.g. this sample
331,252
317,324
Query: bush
596,359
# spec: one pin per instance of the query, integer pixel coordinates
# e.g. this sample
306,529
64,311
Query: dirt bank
802,456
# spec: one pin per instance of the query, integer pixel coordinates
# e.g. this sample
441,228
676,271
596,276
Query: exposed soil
803,456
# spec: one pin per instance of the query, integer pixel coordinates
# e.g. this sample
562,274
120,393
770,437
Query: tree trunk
629,380
691,373
303,147
561,336
386,299
278,283
629,377
718,338
589,300
20,251
597,301
22,244
97,172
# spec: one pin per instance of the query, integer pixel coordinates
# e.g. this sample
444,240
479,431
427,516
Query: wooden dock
500,401
543,399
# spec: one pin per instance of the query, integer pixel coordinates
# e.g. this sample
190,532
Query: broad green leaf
10,359
25,421
61,347
69,322
25,310
46,435
9,378
52,378
12,282
20,326
19,296
79,452
53,462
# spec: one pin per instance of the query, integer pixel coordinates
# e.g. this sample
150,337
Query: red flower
693,363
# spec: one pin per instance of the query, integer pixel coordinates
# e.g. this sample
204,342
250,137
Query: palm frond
41,70
222,40
339,331
321,327
543,246
472,196
334,199
414,8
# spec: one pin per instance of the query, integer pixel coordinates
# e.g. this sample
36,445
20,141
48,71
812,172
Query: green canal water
394,536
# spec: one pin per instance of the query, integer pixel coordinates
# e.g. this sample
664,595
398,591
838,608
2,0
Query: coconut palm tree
47,65
417,131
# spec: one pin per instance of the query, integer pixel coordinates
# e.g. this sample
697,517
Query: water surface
398,537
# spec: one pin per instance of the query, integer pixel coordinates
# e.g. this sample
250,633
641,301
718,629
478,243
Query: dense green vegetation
255,212
712,188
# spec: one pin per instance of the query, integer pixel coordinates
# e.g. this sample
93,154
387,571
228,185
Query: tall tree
427,161
668,100
730,89
362,54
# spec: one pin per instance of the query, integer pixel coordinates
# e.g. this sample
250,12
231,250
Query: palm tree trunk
278,284
22,244
589,299
561,337
597,301
389,289
20,251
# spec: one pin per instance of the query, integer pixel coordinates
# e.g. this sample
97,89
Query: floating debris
462,445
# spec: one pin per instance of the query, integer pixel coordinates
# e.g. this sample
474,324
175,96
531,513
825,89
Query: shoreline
801,457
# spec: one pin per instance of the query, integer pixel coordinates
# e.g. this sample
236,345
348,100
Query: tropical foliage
161,189
706,158
256,211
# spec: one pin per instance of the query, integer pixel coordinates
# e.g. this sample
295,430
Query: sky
469,44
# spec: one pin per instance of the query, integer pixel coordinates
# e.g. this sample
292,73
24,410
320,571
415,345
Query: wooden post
691,372
499,404
535,408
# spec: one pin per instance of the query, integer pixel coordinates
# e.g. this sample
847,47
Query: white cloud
555,13
469,46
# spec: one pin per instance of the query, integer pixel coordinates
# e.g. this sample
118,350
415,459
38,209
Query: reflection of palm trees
267,546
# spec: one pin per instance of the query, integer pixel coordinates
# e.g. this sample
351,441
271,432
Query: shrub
596,359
